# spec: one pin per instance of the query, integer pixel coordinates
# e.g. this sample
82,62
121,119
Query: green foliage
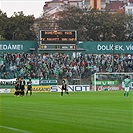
17,27
92,25
45,22
81,112
3,19
95,25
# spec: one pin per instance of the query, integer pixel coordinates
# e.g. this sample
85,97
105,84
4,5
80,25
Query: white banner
12,81
109,88
34,81
7,81
71,88
4,90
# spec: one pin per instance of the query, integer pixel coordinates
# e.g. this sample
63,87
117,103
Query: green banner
106,47
105,83
16,46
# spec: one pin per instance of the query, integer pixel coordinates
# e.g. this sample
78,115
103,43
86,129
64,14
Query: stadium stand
55,65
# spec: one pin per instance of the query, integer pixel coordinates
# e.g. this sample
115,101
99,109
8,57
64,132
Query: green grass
81,112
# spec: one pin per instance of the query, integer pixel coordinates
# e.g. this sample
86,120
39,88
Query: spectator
56,65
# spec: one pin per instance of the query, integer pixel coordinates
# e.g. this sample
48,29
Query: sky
29,7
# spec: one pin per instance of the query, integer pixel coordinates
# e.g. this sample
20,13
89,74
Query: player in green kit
127,83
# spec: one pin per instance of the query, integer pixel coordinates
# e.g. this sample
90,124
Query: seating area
56,65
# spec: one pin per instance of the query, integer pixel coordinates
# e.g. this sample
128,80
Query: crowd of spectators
56,65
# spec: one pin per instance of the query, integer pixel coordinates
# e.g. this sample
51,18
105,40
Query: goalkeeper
127,83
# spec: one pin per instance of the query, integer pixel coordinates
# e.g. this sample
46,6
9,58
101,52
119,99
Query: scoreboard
58,37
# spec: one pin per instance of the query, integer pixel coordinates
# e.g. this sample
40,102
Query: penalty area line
14,129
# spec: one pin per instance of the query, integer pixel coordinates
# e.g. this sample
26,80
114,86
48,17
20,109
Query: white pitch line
14,129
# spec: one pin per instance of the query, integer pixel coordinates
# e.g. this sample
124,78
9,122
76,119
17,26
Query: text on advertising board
71,88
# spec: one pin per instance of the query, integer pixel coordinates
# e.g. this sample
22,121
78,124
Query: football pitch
81,112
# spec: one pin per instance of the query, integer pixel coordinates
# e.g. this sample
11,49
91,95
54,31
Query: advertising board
71,88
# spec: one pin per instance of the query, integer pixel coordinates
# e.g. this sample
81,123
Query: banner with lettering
10,82
106,83
48,82
106,47
71,88
16,46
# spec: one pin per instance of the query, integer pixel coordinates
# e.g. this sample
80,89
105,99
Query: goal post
109,81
